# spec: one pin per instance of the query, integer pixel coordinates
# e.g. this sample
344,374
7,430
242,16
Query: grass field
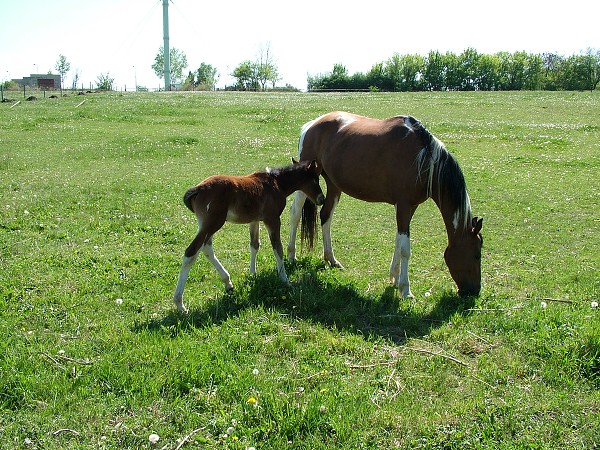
92,231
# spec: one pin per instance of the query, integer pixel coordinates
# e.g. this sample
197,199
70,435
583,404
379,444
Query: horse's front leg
399,265
254,244
274,227
295,216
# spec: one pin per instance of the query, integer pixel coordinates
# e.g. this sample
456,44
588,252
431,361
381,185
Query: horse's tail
308,229
189,196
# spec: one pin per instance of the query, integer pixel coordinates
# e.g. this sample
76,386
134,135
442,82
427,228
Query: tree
178,63
62,67
105,82
207,77
246,76
266,68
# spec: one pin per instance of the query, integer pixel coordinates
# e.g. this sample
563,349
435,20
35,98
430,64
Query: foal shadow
318,296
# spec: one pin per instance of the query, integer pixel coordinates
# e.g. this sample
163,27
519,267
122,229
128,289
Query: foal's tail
308,230
189,196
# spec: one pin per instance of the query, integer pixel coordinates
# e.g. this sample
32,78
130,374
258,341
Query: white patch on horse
305,129
455,219
345,121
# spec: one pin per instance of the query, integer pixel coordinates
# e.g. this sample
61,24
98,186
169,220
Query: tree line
469,71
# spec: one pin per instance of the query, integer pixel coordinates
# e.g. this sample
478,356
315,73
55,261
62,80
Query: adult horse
260,196
397,161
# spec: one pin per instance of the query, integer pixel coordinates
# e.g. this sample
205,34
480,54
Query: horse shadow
318,296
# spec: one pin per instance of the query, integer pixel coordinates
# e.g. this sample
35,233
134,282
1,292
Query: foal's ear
477,225
294,160
314,165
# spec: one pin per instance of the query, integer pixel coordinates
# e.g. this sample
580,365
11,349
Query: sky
122,37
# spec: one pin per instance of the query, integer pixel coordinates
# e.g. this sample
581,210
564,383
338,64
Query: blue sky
305,38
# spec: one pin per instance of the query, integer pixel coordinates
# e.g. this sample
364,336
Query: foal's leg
207,249
188,262
296,215
399,266
273,226
331,200
254,244
189,258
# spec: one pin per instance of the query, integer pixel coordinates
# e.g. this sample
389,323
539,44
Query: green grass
92,231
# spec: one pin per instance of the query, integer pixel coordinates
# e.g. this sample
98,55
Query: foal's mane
440,165
278,171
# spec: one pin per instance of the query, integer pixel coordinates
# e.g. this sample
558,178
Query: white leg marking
281,268
327,245
296,215
402,282
253,252
186,265
395,265
223,274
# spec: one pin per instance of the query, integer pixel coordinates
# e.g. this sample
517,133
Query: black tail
308,230
189,196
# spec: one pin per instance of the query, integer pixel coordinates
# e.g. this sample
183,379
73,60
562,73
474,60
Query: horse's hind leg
254,244
296,215
189,258
331,201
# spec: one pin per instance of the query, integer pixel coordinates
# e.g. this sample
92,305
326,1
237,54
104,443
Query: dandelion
255,372
594,304
230,431
252,401
322,391
154,438
322,409
543,304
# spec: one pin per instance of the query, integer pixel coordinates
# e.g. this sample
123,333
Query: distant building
46,82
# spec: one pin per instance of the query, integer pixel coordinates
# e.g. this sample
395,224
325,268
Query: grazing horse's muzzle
471,291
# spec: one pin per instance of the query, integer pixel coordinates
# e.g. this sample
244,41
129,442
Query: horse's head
311,186
463,258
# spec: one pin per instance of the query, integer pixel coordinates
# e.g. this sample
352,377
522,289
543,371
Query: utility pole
166,45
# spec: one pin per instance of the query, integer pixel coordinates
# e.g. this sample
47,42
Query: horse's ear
313,164
477,225
294,160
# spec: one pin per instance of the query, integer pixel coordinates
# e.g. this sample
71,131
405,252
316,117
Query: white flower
119,301
255,371
230,431
594,304
154,438
543,304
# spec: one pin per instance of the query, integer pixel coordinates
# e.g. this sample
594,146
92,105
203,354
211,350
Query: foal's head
463,258
310,186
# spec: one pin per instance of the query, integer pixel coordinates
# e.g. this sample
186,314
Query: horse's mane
439,164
